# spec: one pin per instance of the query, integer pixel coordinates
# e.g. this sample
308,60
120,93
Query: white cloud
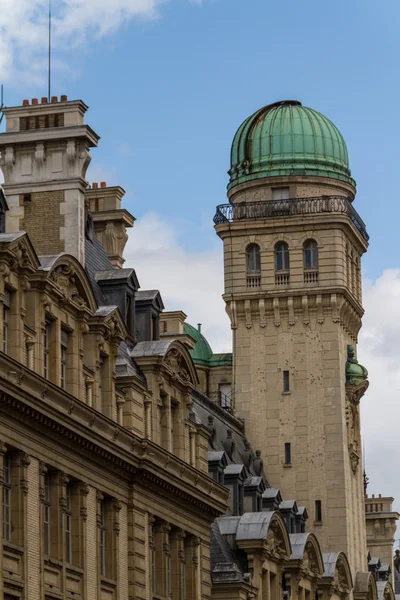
24,26
193,282
379,351
188,281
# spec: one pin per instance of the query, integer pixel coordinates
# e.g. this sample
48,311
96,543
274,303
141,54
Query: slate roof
146,294
154,348
113,274
10,237
97,260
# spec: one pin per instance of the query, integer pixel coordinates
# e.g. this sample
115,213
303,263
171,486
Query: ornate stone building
127,464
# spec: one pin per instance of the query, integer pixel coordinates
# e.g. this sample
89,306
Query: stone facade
127,467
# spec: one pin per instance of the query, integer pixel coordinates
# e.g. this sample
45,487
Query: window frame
310,248
286,381
64,339
68,523
288,453
46,348
282,257
7,500
6,318
47,515
253,259
102,539
318,511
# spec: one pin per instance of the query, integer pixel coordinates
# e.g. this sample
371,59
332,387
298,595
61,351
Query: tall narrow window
282,256
68,525
288,454
102,540
46,350
6,318
318,510
253,265
311,262
64,351
286,382
153,560
46,515
7,498
282,264
169,569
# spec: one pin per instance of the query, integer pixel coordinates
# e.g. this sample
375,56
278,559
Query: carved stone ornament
64,278
354,456
177,363
20,260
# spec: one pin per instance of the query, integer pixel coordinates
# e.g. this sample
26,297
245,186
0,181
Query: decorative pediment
365,586
179,362
266,531
18,253
337,574
116,328
306,555
277,540
71,283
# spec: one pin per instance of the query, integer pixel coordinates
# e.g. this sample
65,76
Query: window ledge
52,562
286,393
109,582
318,523
287,466
13,548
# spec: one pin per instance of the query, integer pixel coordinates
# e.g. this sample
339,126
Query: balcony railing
287,208
311,276
253,281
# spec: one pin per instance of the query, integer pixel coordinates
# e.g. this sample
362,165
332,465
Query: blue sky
166,94
169,81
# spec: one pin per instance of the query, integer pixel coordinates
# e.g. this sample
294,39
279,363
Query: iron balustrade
227,213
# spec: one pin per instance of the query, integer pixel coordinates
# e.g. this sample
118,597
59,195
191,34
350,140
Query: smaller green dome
202,352
287,138
355,373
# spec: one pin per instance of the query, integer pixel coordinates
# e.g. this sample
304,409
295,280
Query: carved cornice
138,458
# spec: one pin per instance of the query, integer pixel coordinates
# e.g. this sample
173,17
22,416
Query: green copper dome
202,352
355,373
287,138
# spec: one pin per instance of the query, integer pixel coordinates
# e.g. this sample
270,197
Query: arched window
282,256
282,263
311,262
311,255
253,259
253,265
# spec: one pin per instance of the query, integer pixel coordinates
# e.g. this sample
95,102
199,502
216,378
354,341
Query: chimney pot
54,99
95,185
25,102
44,100
34,101
199,327
103,184
373,495
64,98
380,495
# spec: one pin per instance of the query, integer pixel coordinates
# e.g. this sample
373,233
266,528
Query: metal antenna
49,64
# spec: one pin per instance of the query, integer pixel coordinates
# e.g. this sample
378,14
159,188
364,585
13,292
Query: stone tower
292,249
44,155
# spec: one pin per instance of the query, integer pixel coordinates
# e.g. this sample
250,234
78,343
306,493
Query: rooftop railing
227,213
